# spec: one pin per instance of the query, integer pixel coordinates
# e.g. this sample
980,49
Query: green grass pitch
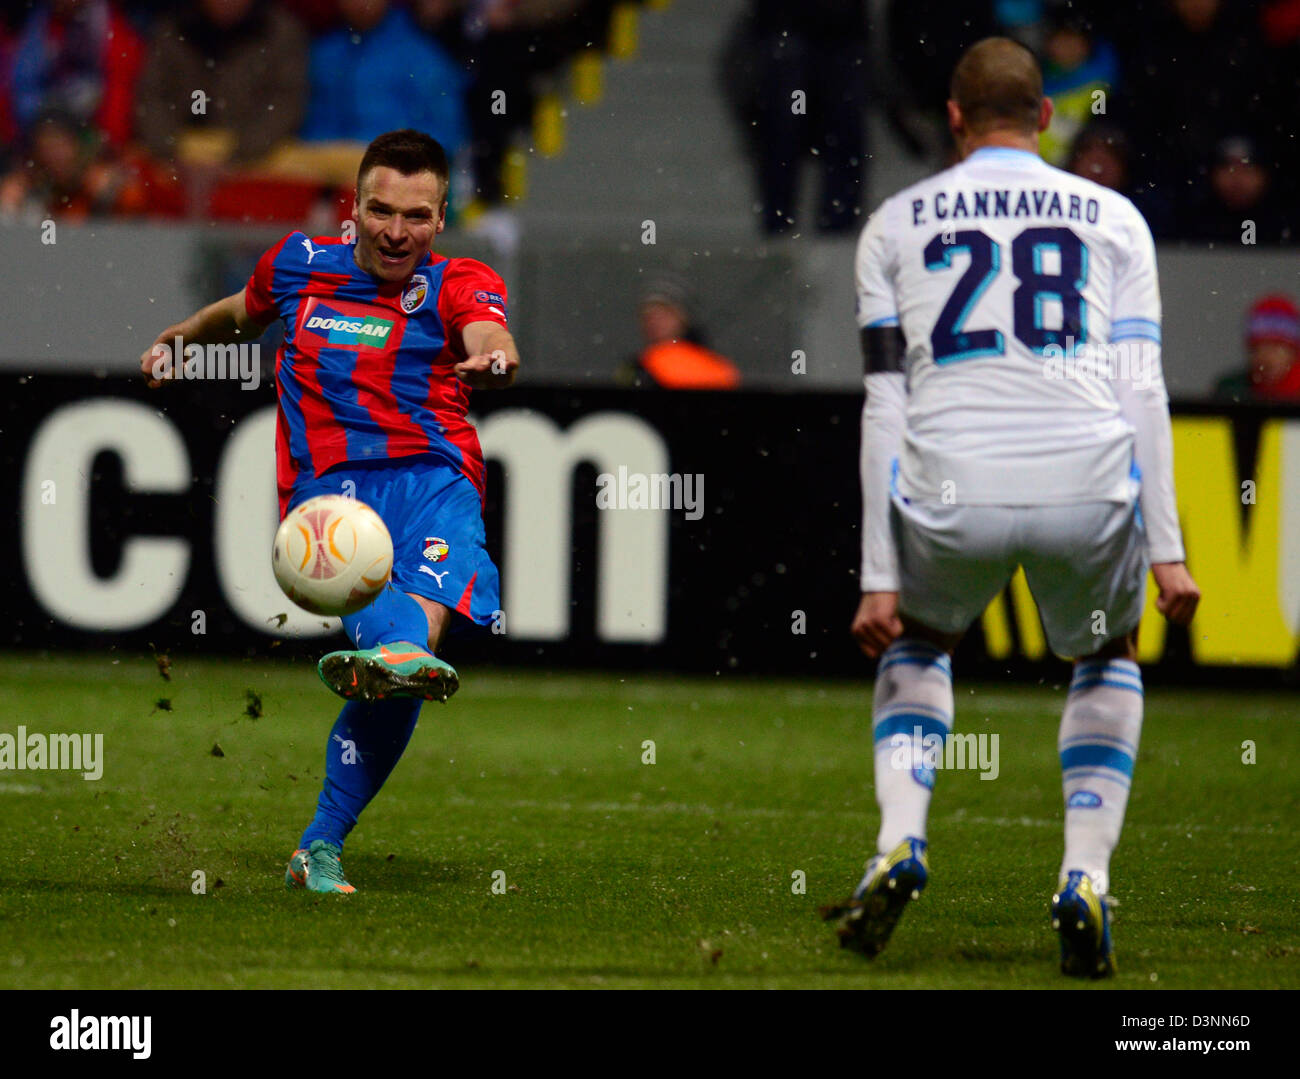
679,873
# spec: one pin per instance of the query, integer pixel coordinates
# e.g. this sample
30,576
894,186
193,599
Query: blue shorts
435,517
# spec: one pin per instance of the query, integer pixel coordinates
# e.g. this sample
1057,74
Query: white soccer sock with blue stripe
911,717
1099,739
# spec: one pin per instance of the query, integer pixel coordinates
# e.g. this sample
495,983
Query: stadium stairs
642,132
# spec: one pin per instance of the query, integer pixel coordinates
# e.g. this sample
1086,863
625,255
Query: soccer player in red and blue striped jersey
383,342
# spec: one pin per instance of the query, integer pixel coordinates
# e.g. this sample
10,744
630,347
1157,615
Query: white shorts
1086,566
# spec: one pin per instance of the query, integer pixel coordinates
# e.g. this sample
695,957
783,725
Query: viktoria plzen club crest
436,550
415,293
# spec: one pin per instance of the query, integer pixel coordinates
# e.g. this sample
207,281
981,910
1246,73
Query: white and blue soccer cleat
865,922
1082,918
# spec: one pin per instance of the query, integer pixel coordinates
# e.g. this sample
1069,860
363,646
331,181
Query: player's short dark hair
997,84
409,152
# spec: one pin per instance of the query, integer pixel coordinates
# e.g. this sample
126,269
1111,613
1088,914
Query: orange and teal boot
318,869
396,670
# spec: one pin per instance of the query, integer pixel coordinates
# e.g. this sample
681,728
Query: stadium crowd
1189,107
141,107
258,109
145,107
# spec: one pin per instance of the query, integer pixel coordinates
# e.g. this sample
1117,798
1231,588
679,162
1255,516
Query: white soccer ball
332,555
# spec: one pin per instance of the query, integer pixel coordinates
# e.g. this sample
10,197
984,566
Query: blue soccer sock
1099,737
367,738
393,616
912,710
364,746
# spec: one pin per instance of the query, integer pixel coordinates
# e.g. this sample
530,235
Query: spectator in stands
675,356
8,127
82,58
811,98
70,174
1191,79
317,16
1281,22
1238,205
1280,88
1272,355
247,60
1080,72
927,37
1102,153
504,45
380,73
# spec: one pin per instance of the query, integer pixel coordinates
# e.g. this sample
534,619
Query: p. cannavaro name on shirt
1033,202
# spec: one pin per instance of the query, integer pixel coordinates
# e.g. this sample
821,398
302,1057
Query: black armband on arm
883,349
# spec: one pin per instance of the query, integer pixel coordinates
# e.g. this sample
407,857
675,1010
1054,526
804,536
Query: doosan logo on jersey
366,329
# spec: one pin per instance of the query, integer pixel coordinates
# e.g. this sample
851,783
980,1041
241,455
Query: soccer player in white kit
1015,415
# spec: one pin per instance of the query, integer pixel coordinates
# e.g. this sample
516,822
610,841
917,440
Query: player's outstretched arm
491,356
218,322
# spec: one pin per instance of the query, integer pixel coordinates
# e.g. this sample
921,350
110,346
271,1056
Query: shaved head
998,86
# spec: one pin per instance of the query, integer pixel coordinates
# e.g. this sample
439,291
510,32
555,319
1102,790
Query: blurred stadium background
615,161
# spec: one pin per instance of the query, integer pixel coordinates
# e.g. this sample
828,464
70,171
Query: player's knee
439,619
1125,647
936,637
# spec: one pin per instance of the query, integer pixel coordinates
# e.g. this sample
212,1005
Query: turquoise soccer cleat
396,670
318,869
1082,918
865,922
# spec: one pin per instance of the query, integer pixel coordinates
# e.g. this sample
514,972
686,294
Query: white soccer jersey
1010,281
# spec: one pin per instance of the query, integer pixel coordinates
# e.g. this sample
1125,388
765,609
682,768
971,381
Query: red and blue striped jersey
365,372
